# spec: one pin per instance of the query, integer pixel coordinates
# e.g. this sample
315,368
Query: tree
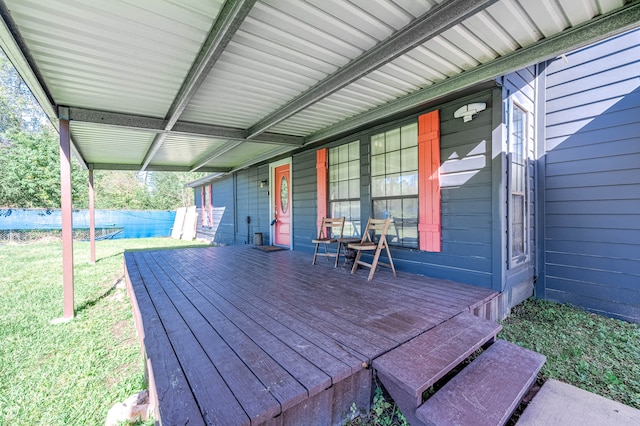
120,190
169,190
29,149
30,163
19,109
30,172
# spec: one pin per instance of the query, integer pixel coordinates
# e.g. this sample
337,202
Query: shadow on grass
152,249
91,303
170,248
102,259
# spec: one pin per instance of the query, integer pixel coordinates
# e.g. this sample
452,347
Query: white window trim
515,262
359,198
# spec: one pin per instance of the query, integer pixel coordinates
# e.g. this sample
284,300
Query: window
344,186
394,182
518,187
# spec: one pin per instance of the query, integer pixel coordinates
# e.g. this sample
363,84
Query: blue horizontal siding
613,250
603,178
603,306
223,196
253,202
304,199
592,222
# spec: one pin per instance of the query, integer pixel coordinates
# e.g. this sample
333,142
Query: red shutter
429,181
203,205
321,173
211,204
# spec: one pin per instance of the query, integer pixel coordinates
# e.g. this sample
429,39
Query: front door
282,189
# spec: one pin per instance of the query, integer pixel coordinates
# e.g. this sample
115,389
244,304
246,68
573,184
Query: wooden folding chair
327,236
379,226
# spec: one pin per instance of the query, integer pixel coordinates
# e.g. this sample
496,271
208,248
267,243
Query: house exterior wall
466,196
592,179
303,199
223,195
252,202
466,199
473,195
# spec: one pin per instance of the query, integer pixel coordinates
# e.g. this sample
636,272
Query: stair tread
419,363
487,391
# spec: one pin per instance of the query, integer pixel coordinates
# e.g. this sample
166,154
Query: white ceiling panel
243,154
110,144
180,150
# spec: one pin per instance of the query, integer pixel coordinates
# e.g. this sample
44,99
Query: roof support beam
229,20
222,132
156,168
599,28
429,25
139,122
63,114
67,222
130,121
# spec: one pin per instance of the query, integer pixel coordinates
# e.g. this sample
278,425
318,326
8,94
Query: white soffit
180,150
244,153
110,144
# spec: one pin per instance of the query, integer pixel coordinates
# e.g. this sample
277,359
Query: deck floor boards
235,335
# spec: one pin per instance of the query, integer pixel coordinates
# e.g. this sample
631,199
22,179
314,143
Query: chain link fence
18,236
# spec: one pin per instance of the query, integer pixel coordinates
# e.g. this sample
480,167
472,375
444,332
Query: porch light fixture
468,111
263,183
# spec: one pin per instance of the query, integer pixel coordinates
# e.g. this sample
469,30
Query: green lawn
592,352
72,373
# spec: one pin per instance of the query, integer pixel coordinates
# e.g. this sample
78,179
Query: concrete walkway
558,403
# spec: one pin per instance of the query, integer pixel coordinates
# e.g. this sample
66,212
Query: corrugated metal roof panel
184,149
117,55
243,153
133,56
460,48
516,22
284,48
109,144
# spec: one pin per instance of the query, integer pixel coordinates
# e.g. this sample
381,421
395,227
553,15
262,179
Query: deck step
487,391
416,365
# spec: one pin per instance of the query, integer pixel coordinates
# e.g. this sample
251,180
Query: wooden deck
238,336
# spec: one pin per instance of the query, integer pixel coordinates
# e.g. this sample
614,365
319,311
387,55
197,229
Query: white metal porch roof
216,86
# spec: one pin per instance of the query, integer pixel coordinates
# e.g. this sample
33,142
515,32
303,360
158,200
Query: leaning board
190,223
178,223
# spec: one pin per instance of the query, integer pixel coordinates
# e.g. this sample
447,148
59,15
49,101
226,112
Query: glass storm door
282,189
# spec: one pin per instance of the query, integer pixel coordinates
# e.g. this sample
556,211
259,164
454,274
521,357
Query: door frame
272,197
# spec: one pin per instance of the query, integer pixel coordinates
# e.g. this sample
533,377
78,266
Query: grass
592,352
72,373
384,412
